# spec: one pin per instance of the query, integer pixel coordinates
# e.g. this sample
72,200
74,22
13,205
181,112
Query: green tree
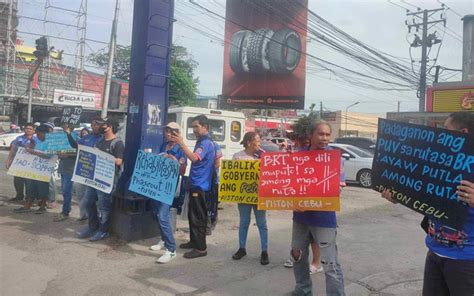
183,84
302,127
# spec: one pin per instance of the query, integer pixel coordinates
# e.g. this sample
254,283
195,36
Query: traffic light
41,48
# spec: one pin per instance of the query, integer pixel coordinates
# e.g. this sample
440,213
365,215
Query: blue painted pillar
147,105
149,73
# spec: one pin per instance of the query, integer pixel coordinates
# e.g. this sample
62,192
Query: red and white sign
75,98
308,180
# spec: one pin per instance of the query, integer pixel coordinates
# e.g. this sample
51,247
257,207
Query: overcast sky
378,23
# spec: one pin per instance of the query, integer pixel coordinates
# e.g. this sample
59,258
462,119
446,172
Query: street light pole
347,108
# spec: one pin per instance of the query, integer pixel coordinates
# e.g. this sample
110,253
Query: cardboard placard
422,166
239,181
308,180
94,168
29,166
155,176
55,143
71,115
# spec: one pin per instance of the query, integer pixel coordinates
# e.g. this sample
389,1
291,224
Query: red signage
308,180
264,54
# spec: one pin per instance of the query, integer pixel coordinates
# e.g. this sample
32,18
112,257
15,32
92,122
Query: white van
227,128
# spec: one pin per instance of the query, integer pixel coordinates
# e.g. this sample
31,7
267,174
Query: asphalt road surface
381,250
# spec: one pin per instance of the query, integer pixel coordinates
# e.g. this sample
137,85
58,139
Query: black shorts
36,189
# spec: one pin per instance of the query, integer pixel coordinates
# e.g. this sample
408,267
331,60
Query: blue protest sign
422,166
155,176
55,143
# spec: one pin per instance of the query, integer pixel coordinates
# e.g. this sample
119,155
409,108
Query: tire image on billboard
284,51
265,51
238,52
257,51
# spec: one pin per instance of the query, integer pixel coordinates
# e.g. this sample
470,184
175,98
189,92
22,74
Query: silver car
357,165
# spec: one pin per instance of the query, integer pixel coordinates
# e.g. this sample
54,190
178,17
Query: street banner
239,181
422,166
30,166
76,98
71,115
155,176
55,143
94,168
265,54
307,180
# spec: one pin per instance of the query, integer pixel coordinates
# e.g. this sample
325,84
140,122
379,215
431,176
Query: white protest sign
94,168
30,166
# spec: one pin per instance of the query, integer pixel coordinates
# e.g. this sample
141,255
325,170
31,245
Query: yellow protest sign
239,181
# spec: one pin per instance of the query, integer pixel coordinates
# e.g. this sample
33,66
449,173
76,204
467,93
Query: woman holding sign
251,143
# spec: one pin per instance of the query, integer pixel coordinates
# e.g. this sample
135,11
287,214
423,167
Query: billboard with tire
264,54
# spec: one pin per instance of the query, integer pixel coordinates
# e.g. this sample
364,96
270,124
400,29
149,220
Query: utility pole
39,61
321,110
425,42
108,76
398,106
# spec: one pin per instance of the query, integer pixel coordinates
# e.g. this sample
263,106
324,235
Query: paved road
381,251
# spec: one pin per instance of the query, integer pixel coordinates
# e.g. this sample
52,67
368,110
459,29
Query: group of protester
449,268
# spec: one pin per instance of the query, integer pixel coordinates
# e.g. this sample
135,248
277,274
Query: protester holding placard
35,189
302,143
200,176
21,141
251,143
111,144
171,150
319,226
87,139
66,169
52,182
449,265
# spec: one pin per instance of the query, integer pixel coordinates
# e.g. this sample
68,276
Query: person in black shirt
97,229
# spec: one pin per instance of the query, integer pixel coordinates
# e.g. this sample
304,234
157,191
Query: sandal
315,269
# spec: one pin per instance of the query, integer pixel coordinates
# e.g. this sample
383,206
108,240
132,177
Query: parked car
281,141
269,146
361,142
357,165
7,139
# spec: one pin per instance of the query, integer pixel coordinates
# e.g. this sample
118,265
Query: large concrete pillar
147,109
468,48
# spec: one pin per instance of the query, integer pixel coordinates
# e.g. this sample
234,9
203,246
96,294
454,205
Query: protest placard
307,180
55,143
94,168
155,176
71,115
30,166
422,166
239,181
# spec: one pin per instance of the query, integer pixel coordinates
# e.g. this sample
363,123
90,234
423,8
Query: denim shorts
36,189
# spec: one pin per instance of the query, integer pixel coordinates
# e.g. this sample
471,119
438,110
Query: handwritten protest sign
239,181
94,168
306,180
422,166
55,143
30,166
71,115
155,176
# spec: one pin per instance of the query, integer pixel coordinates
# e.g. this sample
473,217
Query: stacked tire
265,51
